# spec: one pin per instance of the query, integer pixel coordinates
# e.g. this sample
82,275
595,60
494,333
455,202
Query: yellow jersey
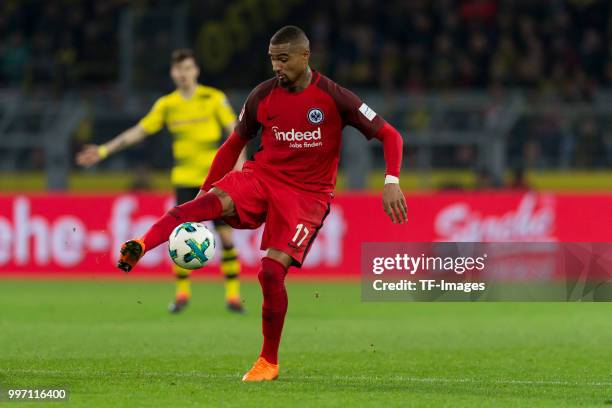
196,125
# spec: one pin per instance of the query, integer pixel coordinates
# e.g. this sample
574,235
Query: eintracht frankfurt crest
315,116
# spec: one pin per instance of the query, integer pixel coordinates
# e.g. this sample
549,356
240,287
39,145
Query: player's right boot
130,254
261,371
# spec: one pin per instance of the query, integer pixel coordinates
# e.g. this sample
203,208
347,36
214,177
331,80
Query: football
191,245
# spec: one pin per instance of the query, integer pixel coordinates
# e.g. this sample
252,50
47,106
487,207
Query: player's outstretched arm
394,202
93,154
225,159
243,155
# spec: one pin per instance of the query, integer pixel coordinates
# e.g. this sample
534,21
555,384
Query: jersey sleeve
224,111
248,125
154,120
354,112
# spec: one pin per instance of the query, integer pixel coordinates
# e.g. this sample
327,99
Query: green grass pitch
111,344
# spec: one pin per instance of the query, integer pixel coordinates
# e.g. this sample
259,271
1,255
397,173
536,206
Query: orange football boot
131,252
261,371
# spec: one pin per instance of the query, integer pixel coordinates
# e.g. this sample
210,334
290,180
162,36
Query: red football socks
272,280
203,208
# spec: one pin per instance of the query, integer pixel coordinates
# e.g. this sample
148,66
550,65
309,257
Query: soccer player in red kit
290,181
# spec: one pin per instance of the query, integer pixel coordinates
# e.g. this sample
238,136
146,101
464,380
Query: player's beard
284,81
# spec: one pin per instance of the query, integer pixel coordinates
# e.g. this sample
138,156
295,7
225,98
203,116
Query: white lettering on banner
29,239
29,227
98,241
459,223
120,223
67,241
61,241
6,237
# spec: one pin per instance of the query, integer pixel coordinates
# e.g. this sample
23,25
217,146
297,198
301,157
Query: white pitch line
467,380
199,374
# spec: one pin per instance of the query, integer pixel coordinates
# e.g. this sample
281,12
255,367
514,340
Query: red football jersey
301,132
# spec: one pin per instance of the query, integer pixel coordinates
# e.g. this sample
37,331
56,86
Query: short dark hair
181,55
289,34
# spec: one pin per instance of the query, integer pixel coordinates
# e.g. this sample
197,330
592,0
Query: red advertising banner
81,234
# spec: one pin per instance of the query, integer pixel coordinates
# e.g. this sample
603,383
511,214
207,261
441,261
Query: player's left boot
234,305
261,371
130,254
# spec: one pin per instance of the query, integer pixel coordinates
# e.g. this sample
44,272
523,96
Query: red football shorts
292,218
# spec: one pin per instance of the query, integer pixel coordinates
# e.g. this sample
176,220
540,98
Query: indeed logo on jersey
296,136
293,136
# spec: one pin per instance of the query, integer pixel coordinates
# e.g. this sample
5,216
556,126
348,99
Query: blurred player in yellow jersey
196,116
